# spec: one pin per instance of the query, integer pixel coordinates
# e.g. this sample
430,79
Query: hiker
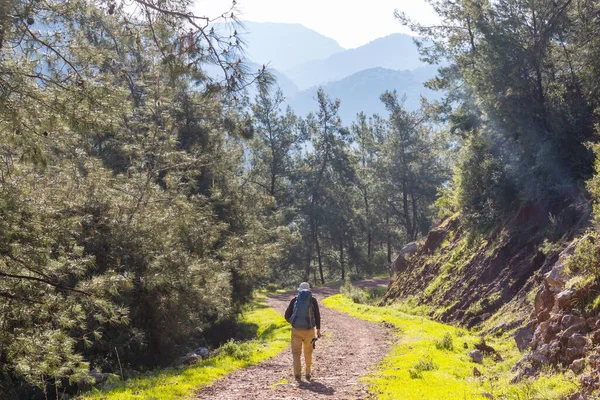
303,314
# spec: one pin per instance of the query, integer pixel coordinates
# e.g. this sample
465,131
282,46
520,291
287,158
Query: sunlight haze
351,24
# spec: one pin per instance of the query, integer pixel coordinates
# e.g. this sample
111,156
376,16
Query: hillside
396,51
361,91
284,46
475,278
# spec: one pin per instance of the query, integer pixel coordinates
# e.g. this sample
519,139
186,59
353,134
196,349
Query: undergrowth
272,336
430,361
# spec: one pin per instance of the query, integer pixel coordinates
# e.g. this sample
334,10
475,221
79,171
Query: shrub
445,343
352,292
586,258
237,350
423,364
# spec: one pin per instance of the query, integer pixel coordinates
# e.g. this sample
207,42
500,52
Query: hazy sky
351,23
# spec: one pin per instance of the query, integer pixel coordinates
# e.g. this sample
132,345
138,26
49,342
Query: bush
237,350
355,294
445,343
586,258
424,364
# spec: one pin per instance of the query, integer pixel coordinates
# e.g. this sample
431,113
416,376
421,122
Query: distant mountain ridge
397,51
361,91
301,60
284,46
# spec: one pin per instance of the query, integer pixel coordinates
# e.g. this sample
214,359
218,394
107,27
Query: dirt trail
349,349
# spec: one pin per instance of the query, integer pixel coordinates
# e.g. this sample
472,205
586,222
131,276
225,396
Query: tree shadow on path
316,387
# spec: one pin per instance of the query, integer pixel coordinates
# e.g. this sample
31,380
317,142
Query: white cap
304,286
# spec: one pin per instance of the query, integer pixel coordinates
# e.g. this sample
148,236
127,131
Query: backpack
303,316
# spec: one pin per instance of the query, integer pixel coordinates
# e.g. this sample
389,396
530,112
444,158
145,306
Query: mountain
284,46
361,91
396,51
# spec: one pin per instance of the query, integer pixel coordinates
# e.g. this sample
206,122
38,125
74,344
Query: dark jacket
315,305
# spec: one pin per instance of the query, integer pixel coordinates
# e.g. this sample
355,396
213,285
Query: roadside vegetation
270,336
431,360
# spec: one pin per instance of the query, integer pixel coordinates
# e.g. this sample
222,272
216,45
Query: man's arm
290,310
317,313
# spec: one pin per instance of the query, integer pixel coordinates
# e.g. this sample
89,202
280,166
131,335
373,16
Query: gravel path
349,349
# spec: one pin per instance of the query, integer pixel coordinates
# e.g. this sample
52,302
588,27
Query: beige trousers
301,339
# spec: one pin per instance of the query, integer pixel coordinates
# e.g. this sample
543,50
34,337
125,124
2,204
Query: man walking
303,314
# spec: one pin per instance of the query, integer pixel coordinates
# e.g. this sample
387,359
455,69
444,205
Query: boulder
568,320
538,359
578,341
400,263
577,365
556,278
574,329
543,302
190,359
565,298
202,352
523,337
591,322
99,377
572,353
434,239
544,350
596,337
476,356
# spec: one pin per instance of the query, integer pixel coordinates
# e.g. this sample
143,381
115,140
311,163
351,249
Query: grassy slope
452,377
180,383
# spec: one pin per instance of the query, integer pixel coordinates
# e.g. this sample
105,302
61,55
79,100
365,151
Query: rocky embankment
559,334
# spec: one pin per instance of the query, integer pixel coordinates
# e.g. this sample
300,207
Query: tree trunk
318,247
389,239
415,217
342,259
406,209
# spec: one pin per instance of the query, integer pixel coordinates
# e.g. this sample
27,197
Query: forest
150,180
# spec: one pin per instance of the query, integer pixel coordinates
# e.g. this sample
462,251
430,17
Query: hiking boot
308,377
298,379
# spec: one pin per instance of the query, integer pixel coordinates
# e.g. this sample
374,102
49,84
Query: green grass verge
273,335
424,365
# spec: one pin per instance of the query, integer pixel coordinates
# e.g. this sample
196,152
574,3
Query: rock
544,300
435,238
190,359
596,337
543,315
476,372
409,249
541,334
556,278
572,353
574,329
577,365
523,337
568,320
476,356
578,341
565,298
544,350
400,263
202,352
538,360
99,377
591,322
